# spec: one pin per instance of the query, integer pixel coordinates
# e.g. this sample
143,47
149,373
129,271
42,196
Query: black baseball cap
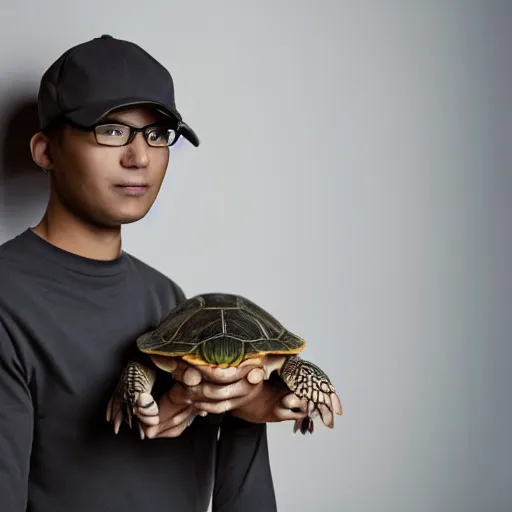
96,77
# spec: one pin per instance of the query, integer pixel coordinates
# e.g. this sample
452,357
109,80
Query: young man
72,303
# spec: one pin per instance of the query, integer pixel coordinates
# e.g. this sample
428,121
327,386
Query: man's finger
175,421
225,392
177,430
183,395
170,424
183,372
292,401
225,375
206,392
284,414
146,410
146,405
147,420
256,375
192,377
180,370
223,406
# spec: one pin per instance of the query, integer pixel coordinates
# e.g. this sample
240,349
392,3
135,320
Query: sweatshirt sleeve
16,428
243,479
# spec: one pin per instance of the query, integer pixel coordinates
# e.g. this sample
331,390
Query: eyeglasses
159,134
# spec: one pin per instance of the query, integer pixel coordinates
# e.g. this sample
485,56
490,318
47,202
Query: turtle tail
223,350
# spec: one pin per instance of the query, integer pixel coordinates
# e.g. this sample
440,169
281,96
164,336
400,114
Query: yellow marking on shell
195,360
199,361
277,352
163,353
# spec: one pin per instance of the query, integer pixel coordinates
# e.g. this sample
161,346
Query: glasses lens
161,136
112,134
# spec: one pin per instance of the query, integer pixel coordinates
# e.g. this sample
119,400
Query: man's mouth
132,184
132,187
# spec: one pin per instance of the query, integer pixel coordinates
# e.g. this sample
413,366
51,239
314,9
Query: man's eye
111,131
155,136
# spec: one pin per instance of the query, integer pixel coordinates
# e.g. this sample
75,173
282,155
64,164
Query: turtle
221,330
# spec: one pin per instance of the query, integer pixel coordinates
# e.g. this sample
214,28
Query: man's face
93,181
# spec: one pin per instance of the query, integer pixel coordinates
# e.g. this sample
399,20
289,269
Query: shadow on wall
24,187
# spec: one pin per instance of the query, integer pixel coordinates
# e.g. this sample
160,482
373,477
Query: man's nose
136,153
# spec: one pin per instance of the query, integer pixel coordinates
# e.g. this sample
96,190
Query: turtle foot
132,401
310,383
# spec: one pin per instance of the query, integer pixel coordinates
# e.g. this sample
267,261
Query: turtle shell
221,329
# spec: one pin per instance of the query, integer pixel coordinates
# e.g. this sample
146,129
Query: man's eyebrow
113,119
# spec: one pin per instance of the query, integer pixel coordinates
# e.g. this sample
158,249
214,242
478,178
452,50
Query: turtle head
222,350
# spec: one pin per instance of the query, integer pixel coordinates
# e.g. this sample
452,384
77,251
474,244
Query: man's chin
131,219
131,216
120,220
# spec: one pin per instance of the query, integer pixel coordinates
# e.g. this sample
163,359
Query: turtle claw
119,410
117,423
338,409
305,425
326,415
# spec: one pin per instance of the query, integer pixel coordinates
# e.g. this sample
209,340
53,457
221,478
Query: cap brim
94,113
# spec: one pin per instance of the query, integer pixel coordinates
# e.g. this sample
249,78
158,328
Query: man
72,303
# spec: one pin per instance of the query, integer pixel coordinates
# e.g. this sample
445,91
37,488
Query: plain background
354,179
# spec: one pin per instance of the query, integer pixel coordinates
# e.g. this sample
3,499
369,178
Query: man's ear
40,149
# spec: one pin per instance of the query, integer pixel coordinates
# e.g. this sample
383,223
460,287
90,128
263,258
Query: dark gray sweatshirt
67,327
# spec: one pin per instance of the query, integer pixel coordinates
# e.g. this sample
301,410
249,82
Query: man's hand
199,390
241,391
273,404
167,419
276,403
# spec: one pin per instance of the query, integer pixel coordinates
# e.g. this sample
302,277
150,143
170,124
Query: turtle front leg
307,381
133,392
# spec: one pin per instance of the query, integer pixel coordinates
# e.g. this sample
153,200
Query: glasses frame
133,131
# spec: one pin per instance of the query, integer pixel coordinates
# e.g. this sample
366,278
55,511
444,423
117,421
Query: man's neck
68,233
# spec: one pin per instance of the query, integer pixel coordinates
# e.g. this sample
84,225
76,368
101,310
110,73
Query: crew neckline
72,261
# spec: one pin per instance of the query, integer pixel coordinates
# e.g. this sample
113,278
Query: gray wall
354,178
